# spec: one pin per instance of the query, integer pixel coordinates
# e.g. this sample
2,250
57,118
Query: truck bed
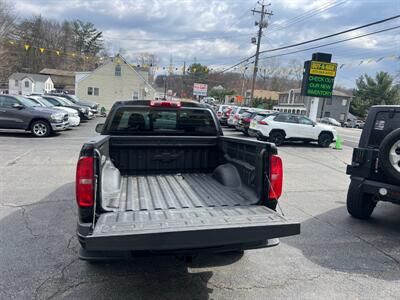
162,192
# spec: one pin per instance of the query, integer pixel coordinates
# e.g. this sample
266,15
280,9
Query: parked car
354,124
94,107
245,119
17,112
220,110
84,111
258,119
234,119
223,120
282,127
375,167
177,185
73,115
330,121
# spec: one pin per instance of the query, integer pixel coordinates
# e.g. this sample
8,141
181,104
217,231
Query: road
350,136
335,257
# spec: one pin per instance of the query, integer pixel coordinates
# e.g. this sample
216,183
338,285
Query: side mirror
18,106
99,127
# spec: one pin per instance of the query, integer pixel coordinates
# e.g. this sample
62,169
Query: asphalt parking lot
335,257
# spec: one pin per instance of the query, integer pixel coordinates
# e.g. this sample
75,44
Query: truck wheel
325,139
389,155
360,205
277,138
40,128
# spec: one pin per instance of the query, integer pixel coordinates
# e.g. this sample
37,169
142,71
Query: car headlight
57,117
75,114
81,109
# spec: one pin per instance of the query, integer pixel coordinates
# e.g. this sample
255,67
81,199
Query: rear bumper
59,126
254,132
382,191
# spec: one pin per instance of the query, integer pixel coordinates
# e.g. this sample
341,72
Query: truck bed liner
160,192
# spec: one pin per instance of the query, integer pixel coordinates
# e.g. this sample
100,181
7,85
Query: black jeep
375,168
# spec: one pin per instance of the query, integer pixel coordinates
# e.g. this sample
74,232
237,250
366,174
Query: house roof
266,94
57,72
111,60
34,77
334,92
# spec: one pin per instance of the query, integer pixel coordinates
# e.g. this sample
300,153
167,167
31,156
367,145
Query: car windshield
73,98
45,102
27,102
65,101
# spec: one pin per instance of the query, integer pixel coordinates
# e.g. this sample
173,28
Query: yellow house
113,81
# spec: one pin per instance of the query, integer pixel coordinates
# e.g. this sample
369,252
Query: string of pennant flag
57,52
242,69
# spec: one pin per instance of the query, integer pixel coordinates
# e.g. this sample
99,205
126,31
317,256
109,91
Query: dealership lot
335,256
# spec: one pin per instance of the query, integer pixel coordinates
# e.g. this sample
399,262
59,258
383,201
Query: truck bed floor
163,192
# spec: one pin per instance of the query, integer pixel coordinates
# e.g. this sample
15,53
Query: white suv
282,126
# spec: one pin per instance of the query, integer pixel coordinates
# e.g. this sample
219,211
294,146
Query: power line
333,43
331,35
313,40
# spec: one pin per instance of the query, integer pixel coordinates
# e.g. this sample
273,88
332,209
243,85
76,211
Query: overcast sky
218,32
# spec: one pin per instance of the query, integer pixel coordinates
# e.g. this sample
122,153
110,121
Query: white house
115,80
25,84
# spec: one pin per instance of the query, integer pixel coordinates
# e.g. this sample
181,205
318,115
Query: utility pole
261,25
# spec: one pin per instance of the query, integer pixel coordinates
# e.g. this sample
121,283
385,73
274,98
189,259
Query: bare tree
7,25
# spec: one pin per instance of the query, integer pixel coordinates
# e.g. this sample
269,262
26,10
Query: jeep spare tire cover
389,155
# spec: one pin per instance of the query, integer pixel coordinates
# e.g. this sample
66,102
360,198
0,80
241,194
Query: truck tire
359,204
389,155
325,139
276,137
40,128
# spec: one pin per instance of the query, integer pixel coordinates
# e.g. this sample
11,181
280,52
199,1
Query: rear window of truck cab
162,121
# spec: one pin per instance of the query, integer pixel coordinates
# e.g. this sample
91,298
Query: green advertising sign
319,86
318,78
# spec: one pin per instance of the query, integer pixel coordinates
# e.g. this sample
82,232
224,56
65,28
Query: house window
344,102
135,95
341,117
329,101
117,70
16,82
26,84
327,114
96,91
90,91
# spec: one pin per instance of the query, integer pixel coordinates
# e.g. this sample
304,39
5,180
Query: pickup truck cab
20,113
375,167
162,177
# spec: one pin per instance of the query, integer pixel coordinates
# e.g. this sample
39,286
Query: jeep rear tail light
275,177
85,182
262,122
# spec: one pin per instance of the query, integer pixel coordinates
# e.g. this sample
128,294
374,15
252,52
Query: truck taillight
85,182
173,104
275,177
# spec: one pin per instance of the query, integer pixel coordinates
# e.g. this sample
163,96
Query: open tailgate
188,228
